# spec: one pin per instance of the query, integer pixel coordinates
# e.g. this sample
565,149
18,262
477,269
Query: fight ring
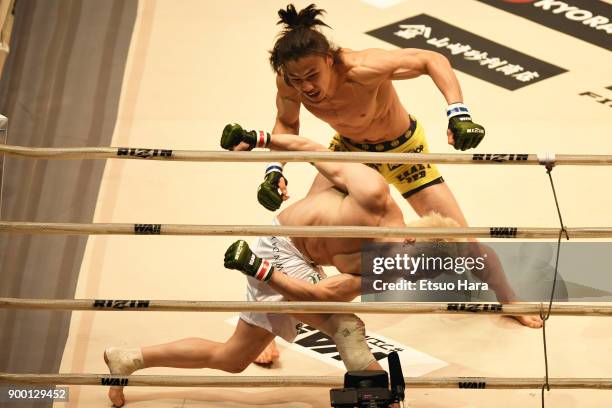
151,229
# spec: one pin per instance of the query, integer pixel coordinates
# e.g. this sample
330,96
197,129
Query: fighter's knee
335,320
236,367
349,322
230,362
348,332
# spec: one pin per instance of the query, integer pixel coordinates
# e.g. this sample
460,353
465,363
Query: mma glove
233,134
239,256
466,133
268,193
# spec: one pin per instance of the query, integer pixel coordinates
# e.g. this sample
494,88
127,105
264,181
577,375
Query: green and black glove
233,134
239,256
268,193
466,133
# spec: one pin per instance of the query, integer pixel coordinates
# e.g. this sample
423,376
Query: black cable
549,168
546,316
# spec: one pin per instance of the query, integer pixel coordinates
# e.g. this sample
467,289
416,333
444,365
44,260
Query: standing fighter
353,92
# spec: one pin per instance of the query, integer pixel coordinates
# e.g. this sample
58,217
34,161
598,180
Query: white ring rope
514,309
298,381
289,231
299,156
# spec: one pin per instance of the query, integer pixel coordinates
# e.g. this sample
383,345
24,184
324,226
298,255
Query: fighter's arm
364,184
407,63
429,63
287,108
273,191
339,288
343,287
375,65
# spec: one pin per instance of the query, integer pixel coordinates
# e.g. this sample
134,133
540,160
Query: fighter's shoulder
367,64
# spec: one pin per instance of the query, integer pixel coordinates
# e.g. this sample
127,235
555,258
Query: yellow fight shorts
407,178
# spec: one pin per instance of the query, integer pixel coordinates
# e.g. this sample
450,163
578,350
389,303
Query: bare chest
352,107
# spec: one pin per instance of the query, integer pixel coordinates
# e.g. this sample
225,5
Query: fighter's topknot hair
305,18
300,37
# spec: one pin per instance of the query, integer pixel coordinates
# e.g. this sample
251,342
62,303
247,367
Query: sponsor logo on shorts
121,304
600,99
143,153
114,381
499,157
147,229
276,262
414,173
587,20
468,52
418,149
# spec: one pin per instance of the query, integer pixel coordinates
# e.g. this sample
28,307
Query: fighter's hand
462,133
234,137
240,257
273,191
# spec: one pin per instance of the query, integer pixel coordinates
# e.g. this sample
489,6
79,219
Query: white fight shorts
285,258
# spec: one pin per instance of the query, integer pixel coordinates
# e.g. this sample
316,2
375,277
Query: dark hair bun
306,18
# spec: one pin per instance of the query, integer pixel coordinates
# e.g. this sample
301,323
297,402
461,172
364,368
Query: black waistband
389,144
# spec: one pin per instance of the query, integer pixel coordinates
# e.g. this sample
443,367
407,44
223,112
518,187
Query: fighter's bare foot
535,322
121,361
115,394
532,321
268,356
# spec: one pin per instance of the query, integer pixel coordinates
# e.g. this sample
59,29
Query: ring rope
297,156
514,309
302,231
297,381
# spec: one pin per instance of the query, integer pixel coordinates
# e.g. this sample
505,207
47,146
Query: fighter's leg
356,356
438,198
267,357
493,273
425,190
232,356
348,333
